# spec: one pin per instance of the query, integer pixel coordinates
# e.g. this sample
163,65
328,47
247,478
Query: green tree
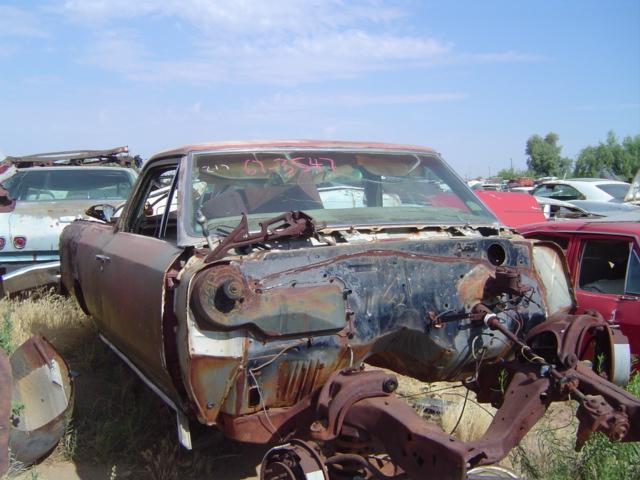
545,157
622,159
511,173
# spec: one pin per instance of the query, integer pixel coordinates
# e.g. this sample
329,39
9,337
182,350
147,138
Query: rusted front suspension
360,406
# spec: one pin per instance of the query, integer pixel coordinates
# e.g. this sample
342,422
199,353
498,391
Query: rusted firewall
380,302
224,298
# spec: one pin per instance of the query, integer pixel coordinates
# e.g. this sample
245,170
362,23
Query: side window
155,211
603,266
543,191
566,192
633,275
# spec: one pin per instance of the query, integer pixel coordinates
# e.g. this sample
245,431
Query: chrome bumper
31,276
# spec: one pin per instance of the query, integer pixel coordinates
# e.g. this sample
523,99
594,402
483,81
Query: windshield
616,190
65,184
336,187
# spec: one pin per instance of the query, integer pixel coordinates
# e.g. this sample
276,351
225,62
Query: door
608,280
132,267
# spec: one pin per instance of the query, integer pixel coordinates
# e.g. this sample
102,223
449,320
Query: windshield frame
190,235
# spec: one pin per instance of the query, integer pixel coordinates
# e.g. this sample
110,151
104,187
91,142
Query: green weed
6,333
599,459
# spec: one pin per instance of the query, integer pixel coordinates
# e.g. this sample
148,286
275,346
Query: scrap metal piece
296,460
595,414
74,157
290,224
5,410
43,391
30,276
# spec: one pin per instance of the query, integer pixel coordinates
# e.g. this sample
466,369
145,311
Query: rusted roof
621,225
267,144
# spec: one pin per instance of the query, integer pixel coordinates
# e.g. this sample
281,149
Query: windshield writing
352,188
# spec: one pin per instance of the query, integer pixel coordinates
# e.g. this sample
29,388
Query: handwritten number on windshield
289,166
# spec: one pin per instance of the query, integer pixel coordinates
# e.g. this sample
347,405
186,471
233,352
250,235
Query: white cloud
246,16
303,59
286,42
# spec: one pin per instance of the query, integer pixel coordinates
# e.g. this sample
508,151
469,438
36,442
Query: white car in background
596,189
40,195
633,195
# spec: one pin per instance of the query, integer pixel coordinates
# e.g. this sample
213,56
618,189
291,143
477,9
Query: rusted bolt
390,385
571,360
318,426
232,289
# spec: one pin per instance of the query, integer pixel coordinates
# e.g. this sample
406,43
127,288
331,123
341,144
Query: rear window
616,190
64,184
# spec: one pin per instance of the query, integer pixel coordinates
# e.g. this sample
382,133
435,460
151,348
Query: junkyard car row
40,195
261,276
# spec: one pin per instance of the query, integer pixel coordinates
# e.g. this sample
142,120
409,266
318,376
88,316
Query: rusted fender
42,396
5,410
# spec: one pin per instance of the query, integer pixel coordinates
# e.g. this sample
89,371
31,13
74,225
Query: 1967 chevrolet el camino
246,284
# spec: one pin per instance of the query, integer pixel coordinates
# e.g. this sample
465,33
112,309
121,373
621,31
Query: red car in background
604,260
512,208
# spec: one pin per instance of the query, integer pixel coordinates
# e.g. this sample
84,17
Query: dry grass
117,421
57,318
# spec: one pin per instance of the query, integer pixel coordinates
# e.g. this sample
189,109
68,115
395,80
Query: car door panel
85,240
133,279
616,307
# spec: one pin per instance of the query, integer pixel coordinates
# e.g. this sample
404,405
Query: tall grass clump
6,333
552,457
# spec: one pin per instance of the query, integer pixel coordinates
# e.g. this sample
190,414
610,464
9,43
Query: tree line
607,159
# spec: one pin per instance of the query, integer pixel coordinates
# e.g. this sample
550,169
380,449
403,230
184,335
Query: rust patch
298,379
207,375
223,296
471,286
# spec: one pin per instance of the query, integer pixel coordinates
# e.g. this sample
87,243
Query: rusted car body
40,195
36,395
250,305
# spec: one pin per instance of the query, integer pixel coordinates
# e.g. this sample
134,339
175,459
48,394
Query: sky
472,79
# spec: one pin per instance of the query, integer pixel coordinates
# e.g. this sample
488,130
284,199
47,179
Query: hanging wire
264,407
277,355
464,404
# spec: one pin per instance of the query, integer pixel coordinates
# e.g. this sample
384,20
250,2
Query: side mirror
103,212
